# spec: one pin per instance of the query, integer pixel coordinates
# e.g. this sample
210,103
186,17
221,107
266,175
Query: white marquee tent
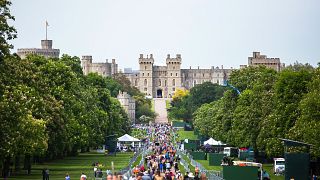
127,139
211,141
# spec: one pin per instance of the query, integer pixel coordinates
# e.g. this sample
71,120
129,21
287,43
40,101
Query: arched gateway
159,93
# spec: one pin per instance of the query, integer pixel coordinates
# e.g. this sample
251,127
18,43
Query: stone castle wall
162,81
103,69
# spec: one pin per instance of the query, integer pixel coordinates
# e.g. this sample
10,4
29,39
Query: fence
127,171
211,174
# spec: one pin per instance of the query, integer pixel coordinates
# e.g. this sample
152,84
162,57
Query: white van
230,151
279,166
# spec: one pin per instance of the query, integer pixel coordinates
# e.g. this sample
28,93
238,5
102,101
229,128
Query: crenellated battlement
176,60
146,60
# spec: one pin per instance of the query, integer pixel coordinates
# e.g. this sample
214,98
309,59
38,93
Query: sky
205,32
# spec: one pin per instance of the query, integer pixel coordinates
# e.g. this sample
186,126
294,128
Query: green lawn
205,164
75,165
186,135
268,168
137,161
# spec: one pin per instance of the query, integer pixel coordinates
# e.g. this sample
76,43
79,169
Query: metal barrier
210,174
127,171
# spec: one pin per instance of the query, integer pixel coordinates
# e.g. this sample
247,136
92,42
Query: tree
184,107
180,93
307,126
7,32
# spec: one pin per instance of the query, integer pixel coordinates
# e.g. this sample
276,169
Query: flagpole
46,30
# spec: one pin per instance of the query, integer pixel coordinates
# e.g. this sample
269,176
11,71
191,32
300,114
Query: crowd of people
163,162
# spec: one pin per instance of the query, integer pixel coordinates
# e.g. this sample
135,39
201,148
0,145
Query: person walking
83,176
47,174
67,177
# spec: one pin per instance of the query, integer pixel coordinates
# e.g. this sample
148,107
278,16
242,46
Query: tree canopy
271,106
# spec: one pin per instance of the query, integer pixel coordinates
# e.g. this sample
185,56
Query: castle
129,105
103,69
162,81
46,50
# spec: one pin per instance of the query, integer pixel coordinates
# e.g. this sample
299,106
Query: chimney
113,61
106,60
151,56
190,67
141,56
198,67
221,66
178,56
168,56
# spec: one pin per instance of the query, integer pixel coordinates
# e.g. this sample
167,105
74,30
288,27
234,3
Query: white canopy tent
211,141
127,139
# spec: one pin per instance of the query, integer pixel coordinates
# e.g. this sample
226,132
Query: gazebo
213,142
127,139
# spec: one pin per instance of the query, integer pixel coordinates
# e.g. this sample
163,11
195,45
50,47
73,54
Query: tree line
271,105
49,109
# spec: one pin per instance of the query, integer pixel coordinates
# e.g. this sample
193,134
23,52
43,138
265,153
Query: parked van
279,166
231,151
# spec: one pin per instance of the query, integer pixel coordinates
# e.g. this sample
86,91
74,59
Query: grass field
205,164
75,165
268,168
186,135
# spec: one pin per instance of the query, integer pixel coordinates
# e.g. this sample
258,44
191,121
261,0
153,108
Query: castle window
176,74
145,82
195,74
148,74
173,82
145,89
194,82
159,82
136,82
218,81
142,74
173,89
203,75
145,67
174,67
165,82
171,74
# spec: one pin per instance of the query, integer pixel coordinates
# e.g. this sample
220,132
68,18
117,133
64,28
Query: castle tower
86,61
114,67
146,74
173,74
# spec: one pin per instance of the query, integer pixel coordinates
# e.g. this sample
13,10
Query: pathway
160,109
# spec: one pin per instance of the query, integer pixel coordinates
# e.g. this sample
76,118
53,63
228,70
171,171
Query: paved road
160,109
